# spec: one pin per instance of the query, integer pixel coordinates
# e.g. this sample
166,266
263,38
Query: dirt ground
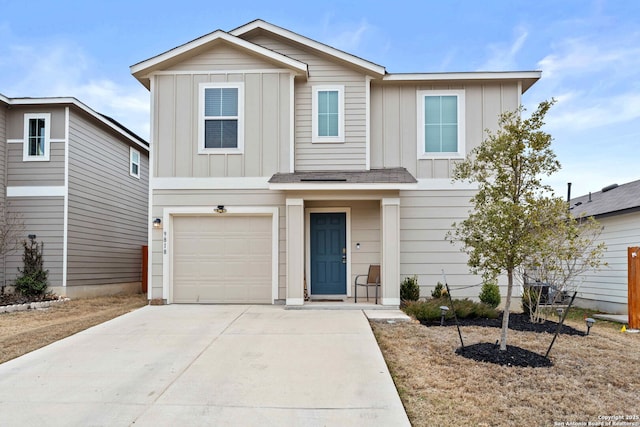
25,331
591,378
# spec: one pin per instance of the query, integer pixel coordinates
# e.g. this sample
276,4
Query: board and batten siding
44,217
394,123
267,112
309,156
607,289
211,198
425,218
108,208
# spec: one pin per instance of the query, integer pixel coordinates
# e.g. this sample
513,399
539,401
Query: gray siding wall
20,173
3,169
350,155
108,208
172,198
425,218
607,289
394,123
44,217
266,118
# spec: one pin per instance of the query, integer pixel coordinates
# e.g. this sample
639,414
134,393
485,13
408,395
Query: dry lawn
25,331
591,377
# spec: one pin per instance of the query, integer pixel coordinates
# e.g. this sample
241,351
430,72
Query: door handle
344,255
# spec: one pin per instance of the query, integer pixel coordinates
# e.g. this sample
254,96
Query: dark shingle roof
373,176
612,201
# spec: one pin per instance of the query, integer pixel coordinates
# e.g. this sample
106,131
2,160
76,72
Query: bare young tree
11,232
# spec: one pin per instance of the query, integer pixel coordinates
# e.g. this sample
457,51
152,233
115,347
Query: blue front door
328,235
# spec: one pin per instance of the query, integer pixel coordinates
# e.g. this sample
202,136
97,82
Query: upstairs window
134,162
441,123
221,124
36,137
328,114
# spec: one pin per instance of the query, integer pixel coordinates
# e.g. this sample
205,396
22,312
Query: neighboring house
617,209
278,162
79,180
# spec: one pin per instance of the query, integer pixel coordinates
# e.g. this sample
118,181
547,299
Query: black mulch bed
513,356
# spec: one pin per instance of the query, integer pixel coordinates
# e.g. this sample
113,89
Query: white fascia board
39,191
223,183
367,65
95,115
530,76
4,99
138,70
340,187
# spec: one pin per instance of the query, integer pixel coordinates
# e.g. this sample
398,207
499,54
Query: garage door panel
222,259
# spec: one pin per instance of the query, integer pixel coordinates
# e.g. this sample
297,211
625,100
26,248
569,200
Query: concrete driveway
193,365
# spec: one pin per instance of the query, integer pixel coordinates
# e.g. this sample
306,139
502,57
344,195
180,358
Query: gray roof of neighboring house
611,200
373,176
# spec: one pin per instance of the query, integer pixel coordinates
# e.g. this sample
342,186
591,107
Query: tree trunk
505,315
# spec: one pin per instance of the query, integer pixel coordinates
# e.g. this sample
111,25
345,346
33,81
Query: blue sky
588,52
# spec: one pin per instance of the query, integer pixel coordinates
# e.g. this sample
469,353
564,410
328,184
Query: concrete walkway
201,365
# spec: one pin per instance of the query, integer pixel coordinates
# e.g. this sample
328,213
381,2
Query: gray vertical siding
21,173
42,216
350,155
394,126
107,222
266,117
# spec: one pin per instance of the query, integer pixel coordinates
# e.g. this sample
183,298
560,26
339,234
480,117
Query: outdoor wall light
590,321
357,245
32,237
220,209
157,223
443,312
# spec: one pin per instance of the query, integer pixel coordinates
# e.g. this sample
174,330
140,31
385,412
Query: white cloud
60,69
346,36
503,55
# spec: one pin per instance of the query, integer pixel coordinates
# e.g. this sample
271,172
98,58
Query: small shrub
439,291
33,279
429,311
409,289
490,294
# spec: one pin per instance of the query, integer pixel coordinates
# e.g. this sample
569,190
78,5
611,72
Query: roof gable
171,57
260,25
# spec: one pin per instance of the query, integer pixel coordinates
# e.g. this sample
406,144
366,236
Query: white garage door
222,259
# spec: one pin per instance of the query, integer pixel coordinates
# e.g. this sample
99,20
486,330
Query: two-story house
280,164
78,180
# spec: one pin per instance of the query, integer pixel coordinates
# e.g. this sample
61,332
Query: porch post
295,251
390,265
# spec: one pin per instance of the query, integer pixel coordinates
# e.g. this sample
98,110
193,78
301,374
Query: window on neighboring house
134,162
221,126
441,123
36,137
328,114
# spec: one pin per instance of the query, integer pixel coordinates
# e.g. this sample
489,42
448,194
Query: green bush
429,311
409,289
33,279
439,291
490,294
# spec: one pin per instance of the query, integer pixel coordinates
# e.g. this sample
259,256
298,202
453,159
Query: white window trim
47,137
314,114
131,162
461,153
201,147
